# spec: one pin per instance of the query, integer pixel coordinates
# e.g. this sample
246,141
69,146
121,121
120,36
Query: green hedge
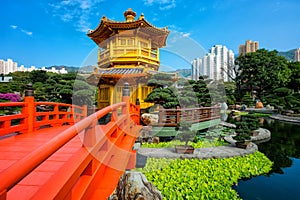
203,179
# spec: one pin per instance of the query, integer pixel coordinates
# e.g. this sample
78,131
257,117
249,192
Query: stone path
202,153
286,118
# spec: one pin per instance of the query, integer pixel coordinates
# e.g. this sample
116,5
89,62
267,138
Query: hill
68,68
85,69
183,72
289,55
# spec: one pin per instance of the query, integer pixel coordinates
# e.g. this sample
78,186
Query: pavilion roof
109,28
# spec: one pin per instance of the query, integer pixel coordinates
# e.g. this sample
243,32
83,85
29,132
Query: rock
135,186
145,134
235,112
224,106
149,119
155,140
259,104
244,107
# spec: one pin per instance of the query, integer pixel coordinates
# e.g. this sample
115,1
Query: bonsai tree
185,134
241,137
164,92
244,127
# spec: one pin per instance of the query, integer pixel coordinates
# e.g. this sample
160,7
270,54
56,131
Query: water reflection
283,149
283,146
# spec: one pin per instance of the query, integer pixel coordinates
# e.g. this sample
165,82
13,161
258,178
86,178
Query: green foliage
38,76
230,89
245,126
51,86
247,100
185,133
217,91
283,97
263,71
160,80
163,96
192,93
294,84
203,179
202,91
173,143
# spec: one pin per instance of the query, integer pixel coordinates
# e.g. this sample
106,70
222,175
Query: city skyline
46,33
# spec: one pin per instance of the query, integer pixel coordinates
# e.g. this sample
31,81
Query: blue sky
46,33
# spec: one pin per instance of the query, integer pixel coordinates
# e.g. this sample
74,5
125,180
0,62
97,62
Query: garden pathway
286,118
202,153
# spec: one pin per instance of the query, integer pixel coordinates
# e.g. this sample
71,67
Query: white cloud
163,4
26,32
67,17
185,34
22,30
13,26
76,11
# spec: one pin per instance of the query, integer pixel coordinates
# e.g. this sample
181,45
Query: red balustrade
100,154
29,119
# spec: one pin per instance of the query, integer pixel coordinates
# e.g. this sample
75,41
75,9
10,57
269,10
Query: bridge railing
105,154
171,117
57,114
14,122
31,115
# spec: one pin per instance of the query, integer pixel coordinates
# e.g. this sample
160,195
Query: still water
283,181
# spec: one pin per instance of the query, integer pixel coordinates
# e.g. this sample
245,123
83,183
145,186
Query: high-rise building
217,65
2,64
248,47
195,68
8,66
297,55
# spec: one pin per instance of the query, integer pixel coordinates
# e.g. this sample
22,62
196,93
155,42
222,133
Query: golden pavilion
128,51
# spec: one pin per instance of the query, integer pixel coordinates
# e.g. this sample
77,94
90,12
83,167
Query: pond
283,181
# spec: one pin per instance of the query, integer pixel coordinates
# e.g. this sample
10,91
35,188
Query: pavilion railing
171,117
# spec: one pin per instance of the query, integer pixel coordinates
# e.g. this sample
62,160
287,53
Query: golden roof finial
104,18
129,15
142,16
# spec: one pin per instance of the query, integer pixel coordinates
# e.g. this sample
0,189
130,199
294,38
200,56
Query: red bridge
61,153
56,151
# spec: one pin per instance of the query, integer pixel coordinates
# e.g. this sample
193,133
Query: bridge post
29,108
178,114
138,106
126,97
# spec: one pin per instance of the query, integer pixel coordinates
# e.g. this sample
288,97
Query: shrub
10,97
203,178
185,134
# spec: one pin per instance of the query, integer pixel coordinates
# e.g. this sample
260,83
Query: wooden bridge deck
14,148
37,183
